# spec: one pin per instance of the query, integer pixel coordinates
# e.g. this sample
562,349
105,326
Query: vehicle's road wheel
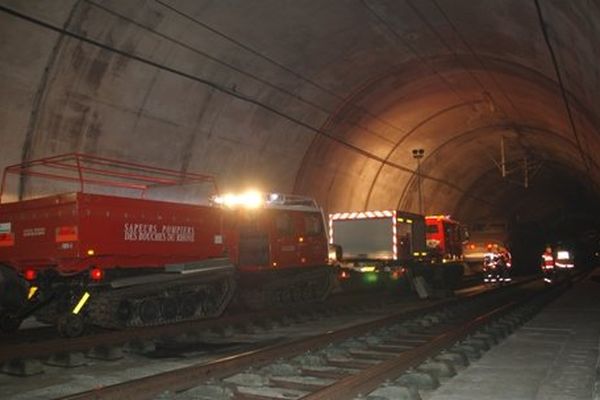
9,323
71,325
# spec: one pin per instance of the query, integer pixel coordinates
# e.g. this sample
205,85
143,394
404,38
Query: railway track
315,365
342,363
31,351
384,315
44,341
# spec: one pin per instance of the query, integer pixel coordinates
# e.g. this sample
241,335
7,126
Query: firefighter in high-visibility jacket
548,266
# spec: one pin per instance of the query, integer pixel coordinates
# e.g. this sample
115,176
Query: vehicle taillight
344,275
7,239
66,234
30,274
96,274
396,275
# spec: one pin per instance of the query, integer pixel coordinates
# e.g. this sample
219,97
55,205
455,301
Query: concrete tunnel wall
320,98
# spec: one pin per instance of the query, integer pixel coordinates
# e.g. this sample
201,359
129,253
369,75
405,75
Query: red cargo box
73,231
77,230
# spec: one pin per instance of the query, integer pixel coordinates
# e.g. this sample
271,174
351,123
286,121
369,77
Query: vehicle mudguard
13,290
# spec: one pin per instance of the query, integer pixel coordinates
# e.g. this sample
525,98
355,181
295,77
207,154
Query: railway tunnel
325,99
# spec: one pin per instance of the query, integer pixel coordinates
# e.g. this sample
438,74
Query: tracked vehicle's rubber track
195,298
150,300
287,288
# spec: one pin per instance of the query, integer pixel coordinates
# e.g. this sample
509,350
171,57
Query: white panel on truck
365,238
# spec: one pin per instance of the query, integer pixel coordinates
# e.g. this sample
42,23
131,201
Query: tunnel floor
553,356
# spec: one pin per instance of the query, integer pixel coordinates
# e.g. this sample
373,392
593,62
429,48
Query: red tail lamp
96,274
344,275
30,274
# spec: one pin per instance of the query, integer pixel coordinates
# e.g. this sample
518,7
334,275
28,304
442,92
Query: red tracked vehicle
129,255
279,246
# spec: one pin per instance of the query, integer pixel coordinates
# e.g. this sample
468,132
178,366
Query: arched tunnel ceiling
320,98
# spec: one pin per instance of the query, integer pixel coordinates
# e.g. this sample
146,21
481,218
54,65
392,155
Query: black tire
188,305
13,290
71,325
169,308
124,311
9,323
149,311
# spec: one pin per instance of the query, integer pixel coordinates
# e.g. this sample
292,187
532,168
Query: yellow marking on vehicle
81,303
32,291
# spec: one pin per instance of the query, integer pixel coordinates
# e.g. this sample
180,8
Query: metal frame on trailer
94,170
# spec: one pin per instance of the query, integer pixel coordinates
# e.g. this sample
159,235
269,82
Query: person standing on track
548,267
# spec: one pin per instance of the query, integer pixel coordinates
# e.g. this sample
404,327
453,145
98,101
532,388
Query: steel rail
188,377
44,348
369,379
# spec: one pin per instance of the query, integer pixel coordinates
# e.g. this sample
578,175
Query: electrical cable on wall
275,62
562,88
232,67
231,93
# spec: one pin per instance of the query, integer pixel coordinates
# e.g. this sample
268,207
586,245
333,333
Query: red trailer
71,232
119,258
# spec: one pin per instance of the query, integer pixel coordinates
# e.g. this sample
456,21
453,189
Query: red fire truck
444,238
137,251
